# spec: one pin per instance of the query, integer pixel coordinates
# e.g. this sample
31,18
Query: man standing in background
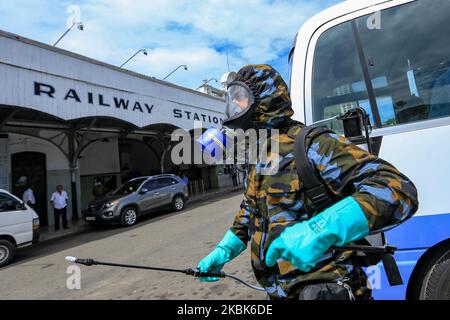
59,202
99,191
234,176
185,179
28,196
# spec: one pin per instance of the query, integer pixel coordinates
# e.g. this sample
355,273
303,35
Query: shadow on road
94,233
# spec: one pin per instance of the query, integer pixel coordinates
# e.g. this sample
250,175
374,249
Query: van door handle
173,188
156,193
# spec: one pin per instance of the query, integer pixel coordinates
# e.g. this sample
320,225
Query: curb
80,230
214,194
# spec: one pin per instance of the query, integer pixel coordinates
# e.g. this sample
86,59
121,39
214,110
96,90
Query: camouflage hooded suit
274,202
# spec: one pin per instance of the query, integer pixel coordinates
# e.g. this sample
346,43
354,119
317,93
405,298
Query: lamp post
141,50
180,66
79,25
205,82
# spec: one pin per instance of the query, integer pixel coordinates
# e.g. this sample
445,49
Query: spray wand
190,272
385,250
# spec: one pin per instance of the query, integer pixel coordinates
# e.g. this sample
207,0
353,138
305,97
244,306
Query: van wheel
129,217
178,203
436,284
7,250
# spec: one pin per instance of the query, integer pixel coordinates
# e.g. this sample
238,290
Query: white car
19,226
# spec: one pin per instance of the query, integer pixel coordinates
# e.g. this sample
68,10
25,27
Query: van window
408,67
337,77
8,204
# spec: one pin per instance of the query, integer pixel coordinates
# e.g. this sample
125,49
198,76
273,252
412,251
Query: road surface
177,240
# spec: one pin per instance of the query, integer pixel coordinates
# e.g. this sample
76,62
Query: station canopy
46,86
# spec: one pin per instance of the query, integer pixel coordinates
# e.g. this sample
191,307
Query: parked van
19,226
391,58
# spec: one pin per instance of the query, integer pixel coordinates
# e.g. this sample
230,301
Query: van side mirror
356,124
144,191
352,125
353,122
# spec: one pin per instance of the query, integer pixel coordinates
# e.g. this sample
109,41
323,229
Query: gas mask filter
238,112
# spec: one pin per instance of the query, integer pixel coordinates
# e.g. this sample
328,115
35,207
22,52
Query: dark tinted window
159,183
8,204
165,182
407,59
129,187
151,185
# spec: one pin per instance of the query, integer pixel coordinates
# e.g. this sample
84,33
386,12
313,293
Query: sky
199,34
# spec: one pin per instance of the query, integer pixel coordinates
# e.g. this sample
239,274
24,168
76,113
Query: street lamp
205,82
141,50
79,25
183,65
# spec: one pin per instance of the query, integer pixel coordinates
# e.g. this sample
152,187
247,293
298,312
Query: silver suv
137,197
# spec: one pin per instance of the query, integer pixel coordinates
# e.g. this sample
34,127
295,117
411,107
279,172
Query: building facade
71,120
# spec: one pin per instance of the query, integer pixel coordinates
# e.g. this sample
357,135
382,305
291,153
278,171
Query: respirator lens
239,99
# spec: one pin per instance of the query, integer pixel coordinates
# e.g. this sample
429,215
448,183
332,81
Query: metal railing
196,187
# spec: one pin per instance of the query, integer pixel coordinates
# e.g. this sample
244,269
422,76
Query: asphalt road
174,240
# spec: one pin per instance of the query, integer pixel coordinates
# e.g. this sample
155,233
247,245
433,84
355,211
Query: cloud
175,32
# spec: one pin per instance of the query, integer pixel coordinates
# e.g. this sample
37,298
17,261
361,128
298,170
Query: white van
391,58
19,226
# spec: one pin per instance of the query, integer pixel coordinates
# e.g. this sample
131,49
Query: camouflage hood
272,105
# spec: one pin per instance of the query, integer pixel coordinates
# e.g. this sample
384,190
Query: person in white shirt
59,202
28,196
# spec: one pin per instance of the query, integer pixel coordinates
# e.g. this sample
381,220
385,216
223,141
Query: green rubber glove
304,243
227,249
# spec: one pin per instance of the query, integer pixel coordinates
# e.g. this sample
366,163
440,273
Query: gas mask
239,106
239,115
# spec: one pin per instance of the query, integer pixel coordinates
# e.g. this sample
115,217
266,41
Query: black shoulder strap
314,186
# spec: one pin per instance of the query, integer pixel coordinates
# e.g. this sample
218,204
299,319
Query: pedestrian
184,178
28,196
99,190
59,202
234,175
290,237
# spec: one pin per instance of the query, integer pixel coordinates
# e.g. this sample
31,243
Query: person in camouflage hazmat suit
289,238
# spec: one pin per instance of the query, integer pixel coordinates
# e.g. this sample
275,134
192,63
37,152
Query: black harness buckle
318,195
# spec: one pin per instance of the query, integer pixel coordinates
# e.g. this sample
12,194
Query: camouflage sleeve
386,196
241,222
